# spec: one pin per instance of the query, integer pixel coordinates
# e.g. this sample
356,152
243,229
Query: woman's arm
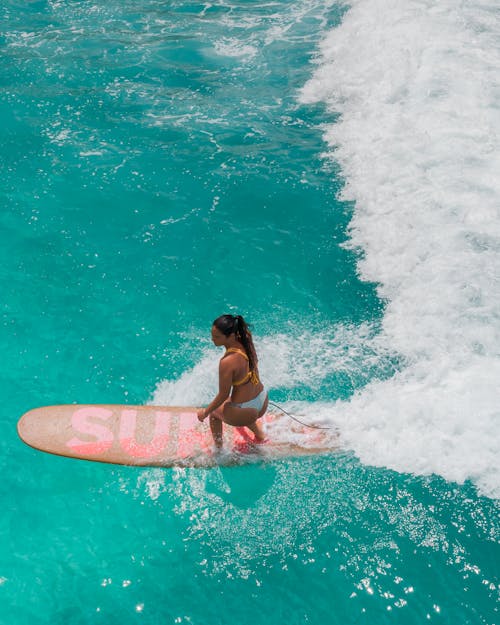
225,384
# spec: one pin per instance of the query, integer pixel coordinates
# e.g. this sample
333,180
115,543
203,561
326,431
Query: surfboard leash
308,425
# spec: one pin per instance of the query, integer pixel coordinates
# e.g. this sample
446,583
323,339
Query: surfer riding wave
238,370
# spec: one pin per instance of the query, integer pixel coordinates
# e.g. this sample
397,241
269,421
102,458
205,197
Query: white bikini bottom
256,402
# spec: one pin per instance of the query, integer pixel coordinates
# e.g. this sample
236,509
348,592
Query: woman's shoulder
230,362
234,355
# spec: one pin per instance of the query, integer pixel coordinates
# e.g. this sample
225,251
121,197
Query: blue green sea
325,169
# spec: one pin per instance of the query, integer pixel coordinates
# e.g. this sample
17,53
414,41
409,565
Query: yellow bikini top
251,376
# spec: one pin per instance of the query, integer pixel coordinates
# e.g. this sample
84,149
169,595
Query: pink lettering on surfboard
80,422
190,440
127,435
91,421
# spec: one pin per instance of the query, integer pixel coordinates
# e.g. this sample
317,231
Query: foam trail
416,87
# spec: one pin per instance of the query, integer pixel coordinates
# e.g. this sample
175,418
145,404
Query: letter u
128,430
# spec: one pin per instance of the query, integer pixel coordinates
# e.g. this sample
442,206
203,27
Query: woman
237,370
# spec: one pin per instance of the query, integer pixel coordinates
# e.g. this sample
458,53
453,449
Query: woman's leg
216,429
247,417
256,427
215,420
257,430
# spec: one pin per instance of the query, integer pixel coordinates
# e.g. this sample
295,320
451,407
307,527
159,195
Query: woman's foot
260,441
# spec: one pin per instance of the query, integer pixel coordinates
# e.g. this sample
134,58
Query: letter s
80,422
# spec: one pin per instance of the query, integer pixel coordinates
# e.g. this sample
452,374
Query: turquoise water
158,170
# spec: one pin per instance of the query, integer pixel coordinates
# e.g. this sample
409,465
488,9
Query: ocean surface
328,170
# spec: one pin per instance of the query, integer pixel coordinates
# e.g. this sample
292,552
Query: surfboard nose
41,427
27,425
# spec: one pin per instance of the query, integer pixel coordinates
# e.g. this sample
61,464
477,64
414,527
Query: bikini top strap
235,350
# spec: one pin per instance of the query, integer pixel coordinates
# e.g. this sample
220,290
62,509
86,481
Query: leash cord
316,427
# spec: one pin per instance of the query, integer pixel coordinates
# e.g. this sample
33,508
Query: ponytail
244,335
229,324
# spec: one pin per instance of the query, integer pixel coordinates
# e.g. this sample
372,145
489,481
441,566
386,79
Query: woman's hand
202,414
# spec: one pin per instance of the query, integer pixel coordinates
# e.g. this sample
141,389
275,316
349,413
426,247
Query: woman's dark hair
227,324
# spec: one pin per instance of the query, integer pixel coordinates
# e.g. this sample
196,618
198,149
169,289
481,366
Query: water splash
418,146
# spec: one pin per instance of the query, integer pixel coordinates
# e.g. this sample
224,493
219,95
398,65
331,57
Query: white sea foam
230,46
416,86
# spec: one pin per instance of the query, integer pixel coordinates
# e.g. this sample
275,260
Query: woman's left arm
225,384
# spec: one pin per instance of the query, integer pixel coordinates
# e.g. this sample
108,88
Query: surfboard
159,436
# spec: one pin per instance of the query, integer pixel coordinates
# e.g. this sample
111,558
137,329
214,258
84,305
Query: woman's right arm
225,384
